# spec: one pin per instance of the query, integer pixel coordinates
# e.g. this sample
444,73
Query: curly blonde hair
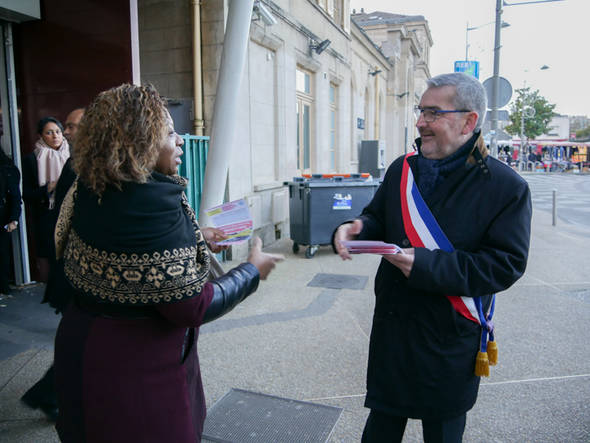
119,137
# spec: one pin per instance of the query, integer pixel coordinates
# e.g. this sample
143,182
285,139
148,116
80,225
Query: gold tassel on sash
482,365
492,352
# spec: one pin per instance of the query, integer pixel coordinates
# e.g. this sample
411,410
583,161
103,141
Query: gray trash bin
317,205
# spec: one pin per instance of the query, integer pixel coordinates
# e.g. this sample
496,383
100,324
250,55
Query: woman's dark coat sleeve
32,192
13,197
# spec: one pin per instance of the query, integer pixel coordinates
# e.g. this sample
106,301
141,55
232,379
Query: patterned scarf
140,246
50,163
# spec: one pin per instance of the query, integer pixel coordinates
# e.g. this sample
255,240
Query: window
333,126
337,13
333,8
303,82
304,120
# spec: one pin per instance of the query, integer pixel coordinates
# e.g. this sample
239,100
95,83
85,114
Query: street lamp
530,113
526,112
473,28
496,76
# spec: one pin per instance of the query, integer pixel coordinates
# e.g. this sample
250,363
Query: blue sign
342,202
468,67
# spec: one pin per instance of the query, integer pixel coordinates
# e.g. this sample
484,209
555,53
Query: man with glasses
463,220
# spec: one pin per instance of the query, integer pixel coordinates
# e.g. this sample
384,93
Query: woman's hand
11,226
264,262
346,232
213,235
51,186
403,261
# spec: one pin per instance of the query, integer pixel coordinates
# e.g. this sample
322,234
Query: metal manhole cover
244,416
339,281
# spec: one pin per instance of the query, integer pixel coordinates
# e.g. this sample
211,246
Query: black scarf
138,246
431,173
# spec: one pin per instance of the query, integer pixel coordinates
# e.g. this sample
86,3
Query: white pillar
223,125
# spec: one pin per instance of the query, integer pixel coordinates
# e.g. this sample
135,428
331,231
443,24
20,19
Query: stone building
303,108
405,41
316,83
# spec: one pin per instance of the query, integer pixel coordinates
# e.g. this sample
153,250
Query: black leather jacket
230,289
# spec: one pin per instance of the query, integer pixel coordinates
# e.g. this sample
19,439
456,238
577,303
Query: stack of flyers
233,219
371,247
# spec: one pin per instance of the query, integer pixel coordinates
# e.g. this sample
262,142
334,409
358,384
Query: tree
583,134
536,124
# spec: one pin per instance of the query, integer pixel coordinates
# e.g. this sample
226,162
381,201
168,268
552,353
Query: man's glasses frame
430,115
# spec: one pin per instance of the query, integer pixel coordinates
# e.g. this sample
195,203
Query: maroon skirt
131,379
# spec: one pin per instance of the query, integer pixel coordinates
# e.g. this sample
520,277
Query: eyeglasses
431,115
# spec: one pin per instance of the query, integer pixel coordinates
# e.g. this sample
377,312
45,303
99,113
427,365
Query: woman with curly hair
125,352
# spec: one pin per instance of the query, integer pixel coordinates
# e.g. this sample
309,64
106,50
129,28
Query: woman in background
41,170
125,352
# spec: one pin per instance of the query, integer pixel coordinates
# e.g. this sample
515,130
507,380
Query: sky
555,34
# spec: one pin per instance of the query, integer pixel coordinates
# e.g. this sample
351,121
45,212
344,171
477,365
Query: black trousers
383,428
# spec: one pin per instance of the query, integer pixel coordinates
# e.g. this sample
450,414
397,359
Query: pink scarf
50,162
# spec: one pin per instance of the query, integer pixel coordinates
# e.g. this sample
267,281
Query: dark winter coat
37,199
10,198
57,290
422,353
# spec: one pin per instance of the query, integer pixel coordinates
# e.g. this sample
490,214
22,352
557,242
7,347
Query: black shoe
50,410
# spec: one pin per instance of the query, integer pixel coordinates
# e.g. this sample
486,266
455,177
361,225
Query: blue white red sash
423,231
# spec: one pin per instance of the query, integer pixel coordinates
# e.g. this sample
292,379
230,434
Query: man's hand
213,235
345,232
403,261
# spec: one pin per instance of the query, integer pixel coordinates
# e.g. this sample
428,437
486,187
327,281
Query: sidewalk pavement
310,343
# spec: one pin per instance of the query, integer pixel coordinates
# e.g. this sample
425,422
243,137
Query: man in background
42,394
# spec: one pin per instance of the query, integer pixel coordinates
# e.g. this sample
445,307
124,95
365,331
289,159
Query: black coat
10,198
37,199
58,290
422,353
10,210
66,179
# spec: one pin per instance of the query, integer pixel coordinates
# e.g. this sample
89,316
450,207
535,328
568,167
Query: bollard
554,207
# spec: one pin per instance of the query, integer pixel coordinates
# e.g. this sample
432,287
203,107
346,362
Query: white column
223,125
134,31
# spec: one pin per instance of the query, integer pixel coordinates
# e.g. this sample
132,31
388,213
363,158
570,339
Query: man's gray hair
470,93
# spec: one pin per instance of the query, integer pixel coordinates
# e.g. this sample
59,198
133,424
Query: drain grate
244,416
339,281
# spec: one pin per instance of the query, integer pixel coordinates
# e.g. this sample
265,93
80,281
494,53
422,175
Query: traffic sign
468,67
504,91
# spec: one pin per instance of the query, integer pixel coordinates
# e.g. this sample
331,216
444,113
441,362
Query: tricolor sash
423,231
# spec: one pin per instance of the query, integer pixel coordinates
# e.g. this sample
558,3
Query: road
573,195
294,340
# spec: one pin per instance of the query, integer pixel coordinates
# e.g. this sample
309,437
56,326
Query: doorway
9,139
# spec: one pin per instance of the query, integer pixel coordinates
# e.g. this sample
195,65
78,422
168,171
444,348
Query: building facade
316,82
